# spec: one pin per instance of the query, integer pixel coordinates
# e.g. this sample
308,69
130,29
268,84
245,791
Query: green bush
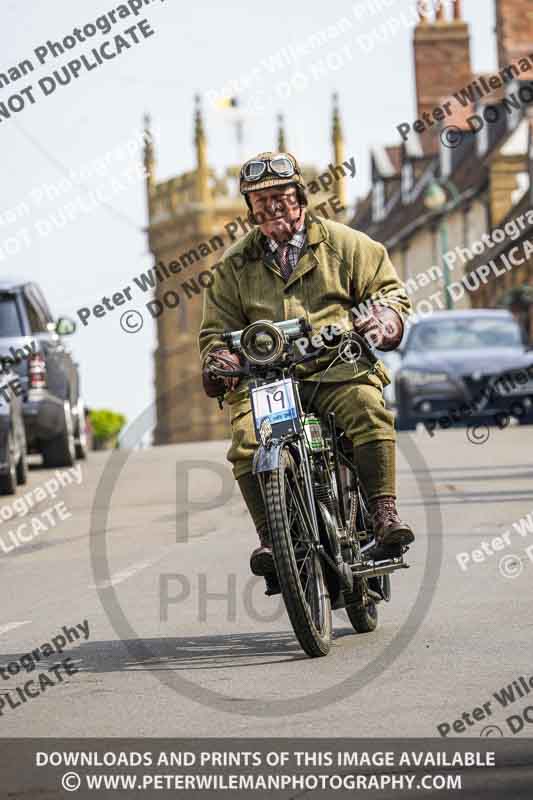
106,424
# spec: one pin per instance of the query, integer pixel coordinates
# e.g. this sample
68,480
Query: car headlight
419,378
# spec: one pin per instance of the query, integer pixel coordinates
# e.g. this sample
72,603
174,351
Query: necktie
283,261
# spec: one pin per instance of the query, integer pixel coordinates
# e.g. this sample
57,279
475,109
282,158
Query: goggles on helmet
281,165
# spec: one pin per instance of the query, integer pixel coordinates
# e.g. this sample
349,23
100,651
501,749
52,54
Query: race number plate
276,403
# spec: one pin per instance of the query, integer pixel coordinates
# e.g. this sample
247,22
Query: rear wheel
8,481
363,618
22,466
298,564
61,450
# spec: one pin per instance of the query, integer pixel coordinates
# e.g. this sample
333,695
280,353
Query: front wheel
298,563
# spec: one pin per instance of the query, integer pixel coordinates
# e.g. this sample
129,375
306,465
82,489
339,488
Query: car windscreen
10,323
465,334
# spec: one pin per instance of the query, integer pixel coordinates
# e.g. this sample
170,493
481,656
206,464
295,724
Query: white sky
198,47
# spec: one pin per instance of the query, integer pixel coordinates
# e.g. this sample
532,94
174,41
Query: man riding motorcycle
294,264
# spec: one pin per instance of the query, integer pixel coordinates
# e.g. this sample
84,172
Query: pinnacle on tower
149,160
337,140
200,142
282,144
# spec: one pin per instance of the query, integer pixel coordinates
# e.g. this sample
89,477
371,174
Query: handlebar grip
366,347
216,372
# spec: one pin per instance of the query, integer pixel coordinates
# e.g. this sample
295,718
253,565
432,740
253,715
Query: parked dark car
52,406
13,450
451,358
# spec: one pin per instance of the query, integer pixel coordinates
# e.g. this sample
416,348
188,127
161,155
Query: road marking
129,572
12,625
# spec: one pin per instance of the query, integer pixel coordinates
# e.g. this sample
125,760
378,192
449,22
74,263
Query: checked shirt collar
287,254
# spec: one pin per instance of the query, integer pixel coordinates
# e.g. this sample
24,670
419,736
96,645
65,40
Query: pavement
181,641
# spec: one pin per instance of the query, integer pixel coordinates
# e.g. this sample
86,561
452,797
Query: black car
13,449
451,359
32,342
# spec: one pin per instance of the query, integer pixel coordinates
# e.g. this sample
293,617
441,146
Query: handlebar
365,348
228,373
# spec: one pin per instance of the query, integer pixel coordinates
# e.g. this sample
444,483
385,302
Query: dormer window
482,140
445,160
513,105
378,201
408,179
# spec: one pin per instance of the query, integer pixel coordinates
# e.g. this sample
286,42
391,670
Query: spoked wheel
364,617
298,565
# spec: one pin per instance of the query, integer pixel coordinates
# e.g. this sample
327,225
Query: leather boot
391,533
261,560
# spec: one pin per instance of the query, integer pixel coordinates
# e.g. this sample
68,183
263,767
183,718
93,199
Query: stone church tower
187,235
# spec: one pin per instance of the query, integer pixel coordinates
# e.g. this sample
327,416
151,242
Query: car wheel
82,441
61,450
8,481
404,421
22,466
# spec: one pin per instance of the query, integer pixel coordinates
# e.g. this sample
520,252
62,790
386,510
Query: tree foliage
106,424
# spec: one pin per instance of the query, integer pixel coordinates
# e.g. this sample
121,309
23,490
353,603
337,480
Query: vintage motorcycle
323,545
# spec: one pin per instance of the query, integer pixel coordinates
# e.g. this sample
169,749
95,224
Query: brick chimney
514,31
442,56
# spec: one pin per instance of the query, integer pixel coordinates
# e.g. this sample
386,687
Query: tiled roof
469,173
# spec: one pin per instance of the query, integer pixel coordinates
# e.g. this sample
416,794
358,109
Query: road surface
182,642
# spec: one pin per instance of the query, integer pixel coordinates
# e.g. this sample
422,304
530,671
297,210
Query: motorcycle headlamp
262,343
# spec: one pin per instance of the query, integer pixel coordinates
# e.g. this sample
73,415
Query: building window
482,140
513,107
378,201
445,160
407,181
435,245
